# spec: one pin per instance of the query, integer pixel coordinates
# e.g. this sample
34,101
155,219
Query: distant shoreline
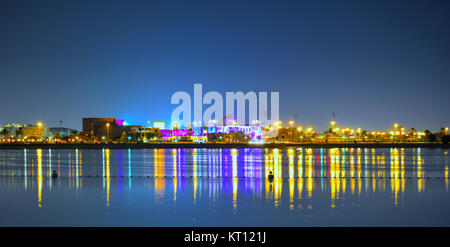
220,145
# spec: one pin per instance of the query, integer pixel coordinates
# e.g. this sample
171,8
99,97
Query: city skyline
285,124
372,63
224,122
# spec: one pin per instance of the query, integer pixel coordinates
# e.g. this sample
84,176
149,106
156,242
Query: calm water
224,187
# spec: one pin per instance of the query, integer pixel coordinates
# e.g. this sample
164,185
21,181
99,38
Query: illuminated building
108,128
14,130
63,132
38,131
176,135
159,125
98,126
252,132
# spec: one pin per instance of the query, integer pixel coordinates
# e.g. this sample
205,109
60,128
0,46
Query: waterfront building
63,132
108,128
176,135
38,131
159,125
102,126
146,134
289,134
251,132
12,130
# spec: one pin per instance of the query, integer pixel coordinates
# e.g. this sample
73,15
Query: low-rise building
11,130
38,131
251,132
63,132
159,125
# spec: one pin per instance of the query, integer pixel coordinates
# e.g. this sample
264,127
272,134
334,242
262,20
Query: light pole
39,125
396,133
332,123
107,132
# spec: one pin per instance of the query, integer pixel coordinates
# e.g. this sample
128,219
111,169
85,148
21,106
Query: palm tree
56,136
18,133
124,137
4,133
133,133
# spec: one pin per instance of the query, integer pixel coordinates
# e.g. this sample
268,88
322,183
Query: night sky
373,63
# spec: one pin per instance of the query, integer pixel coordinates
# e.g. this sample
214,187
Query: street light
107,132
278,123
291,123
332,123
39,125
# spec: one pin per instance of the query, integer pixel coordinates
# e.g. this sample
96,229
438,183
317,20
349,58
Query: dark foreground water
224,187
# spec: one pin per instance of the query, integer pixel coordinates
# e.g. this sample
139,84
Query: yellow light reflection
235,188
397,173
446,178
300,175
291,178
420,173
107,174
359,171
40,178
234,162
175,163
336,175
352,173
234,154
76,167
309,172
159,170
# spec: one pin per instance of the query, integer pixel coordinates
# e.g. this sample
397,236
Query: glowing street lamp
278,123
332,123
107,131
39,125
291,123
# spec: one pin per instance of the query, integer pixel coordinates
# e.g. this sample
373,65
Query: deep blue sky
371,62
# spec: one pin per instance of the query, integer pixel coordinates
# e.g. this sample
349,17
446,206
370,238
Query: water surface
224,187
